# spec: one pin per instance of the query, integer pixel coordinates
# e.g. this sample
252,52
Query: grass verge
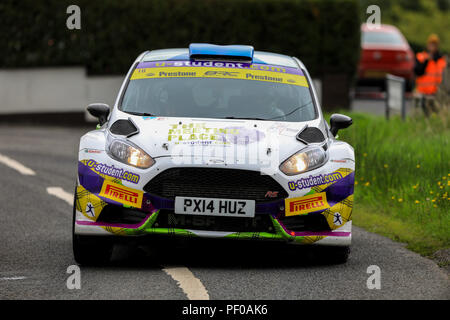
403,178
396,229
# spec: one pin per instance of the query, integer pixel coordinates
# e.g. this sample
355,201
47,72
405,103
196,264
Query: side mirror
100,111
339,121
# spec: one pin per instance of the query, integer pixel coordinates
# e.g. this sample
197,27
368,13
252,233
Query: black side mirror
339,121
100,111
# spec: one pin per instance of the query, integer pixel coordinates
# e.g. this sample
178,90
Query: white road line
60,193
16,166
13,278
186,280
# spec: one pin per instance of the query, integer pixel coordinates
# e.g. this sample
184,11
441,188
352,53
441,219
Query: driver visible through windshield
251,92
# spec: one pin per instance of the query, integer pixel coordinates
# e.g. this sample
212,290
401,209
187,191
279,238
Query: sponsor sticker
337,219
152,118
185,69
92,151
217,64
313,181
306,204
121,194
112,171
200,132
90,210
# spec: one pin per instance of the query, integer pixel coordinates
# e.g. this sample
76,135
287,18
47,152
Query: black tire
90,250
334,255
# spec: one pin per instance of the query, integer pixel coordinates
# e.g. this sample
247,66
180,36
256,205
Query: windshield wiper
244,118
145,114
289,113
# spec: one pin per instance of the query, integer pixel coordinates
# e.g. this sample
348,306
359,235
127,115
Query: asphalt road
35,248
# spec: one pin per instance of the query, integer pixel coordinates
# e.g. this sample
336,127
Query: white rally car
214,141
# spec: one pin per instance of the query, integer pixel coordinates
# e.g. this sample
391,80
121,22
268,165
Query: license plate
215,207
375,74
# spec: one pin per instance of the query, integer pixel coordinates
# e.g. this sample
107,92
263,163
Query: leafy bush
323,33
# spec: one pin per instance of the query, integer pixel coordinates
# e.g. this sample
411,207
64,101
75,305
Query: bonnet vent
124,128
311,135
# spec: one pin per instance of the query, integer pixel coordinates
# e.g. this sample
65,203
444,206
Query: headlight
125,152
303,161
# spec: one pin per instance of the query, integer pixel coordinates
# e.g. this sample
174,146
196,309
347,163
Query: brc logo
122,194
221,73
307,204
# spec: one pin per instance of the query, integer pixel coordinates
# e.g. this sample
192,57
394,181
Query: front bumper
137,212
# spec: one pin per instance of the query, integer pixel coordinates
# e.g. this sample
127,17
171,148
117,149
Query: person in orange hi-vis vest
430,66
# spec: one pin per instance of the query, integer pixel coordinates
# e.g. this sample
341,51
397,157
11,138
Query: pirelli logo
307,204
121,194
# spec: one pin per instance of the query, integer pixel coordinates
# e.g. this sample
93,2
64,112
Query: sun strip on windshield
251,72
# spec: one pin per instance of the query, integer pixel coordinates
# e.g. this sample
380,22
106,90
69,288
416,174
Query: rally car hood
219,139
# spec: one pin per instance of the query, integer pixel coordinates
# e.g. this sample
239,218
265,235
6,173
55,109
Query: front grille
314,222
168,219
215,183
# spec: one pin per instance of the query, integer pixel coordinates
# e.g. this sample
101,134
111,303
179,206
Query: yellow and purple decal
220,70
332,198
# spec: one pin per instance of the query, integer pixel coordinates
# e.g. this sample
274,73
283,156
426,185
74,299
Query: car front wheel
90,250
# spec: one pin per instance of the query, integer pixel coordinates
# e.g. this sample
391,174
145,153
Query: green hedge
323,33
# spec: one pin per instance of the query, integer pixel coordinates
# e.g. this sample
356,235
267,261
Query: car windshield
222,98
371,37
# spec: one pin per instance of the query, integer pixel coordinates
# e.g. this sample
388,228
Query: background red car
384,50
